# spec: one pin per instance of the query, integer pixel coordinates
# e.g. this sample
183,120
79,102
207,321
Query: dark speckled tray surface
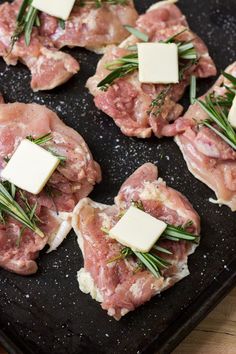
47,313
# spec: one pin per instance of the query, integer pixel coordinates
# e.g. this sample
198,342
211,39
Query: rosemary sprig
217,108
27,18
152,262
119,68
9,206
138,34
177,233
149,260
129,63
157,103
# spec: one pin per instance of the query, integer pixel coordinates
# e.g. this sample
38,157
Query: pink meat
122,284
128,101
71,181
208,157
49,67
90,26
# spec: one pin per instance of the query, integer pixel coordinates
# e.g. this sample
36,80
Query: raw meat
49,67
128,101
208,157
71,181
90,26
121,286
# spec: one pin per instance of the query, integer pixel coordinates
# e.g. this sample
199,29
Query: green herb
152,262
218,115
158,102
124,253
186,50
119,68
177,233
184,66
27,17
230,77
30,211
138,34
10,207
41,140
192,89
161,249
62,23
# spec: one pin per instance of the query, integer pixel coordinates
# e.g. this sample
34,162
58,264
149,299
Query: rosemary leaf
218,116
161,249
138,34
30,21
22,10
179,233
41,140
173,38
230,77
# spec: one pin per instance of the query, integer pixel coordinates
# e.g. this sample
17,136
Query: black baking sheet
47,313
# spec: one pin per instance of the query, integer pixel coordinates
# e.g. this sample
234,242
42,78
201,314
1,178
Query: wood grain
215,335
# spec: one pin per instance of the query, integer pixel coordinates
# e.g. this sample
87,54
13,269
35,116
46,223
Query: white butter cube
232,114
30,167
138,230
57,8
158,63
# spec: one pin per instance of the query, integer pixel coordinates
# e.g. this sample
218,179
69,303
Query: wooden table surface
215,335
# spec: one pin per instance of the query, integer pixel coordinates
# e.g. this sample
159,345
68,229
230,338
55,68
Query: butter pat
57,8
232,114
158,63
138,230
30,167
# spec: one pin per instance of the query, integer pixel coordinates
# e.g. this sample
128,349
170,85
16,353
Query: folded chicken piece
208,156
49,67
129,102
122,285
72,181
91,26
